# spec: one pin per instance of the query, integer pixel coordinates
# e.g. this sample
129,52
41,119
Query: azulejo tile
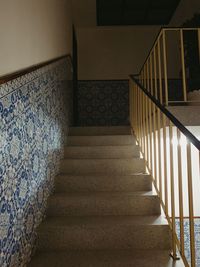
35,115
103,102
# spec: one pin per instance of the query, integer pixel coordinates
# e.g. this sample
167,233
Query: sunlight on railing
173,160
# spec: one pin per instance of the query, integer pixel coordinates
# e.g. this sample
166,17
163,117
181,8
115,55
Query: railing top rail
175,121
165,29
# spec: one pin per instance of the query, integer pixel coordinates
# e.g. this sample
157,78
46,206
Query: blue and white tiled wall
103,103
187,238
35,112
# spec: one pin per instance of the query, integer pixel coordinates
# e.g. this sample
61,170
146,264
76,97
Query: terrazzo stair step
99,166
104,232
110,130
109,140
93,183
102,151
105,258
118,203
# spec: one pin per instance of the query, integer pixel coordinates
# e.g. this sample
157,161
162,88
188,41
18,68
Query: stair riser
100,140
102,152
105,237
83,206
119,130
102,166
103,183
106,258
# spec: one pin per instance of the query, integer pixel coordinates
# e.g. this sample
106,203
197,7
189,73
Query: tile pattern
187,238
34,119
102,103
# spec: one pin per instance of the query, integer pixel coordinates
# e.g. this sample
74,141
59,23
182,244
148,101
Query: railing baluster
160,73
151,74
165,162
144,125
165,67
191,206
148,76
159,154
147,130
155,72
155,145
154,129
151,135
180,186
174,255
183,67
198,32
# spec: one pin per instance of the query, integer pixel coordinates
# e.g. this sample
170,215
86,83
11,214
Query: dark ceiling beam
123,8
148,8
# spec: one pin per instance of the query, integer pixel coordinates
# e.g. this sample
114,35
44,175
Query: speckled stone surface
103,212
102,183
100,166
111,140
108,258
116,130
103,203
114,152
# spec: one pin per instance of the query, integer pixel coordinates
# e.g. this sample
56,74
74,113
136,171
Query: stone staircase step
109,140
104,232
105,258
94,183
102,151
101,203
107,130
103,166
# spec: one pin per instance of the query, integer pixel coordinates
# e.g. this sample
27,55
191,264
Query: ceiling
135,12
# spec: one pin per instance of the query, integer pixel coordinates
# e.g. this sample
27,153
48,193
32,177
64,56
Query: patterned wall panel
34,118
103,103
187,238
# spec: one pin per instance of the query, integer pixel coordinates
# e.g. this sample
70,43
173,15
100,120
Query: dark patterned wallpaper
103,103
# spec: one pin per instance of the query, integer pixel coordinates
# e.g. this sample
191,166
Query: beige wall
33,31
113,52
184,11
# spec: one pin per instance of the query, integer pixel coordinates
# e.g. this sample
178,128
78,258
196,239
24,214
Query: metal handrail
155,68
175,121
156,131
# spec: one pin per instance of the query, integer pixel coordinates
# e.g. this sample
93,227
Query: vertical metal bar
172,191
151,74
180,186
191,206
199,43
160,73
145,77
155,145
148,76
144,126
159,154
147,127
165,67
155,72
183,66
165,164
150,135
141,119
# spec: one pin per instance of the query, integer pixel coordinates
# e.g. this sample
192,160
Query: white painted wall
113,52
32,32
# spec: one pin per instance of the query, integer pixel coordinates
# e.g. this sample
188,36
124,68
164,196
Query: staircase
103,212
